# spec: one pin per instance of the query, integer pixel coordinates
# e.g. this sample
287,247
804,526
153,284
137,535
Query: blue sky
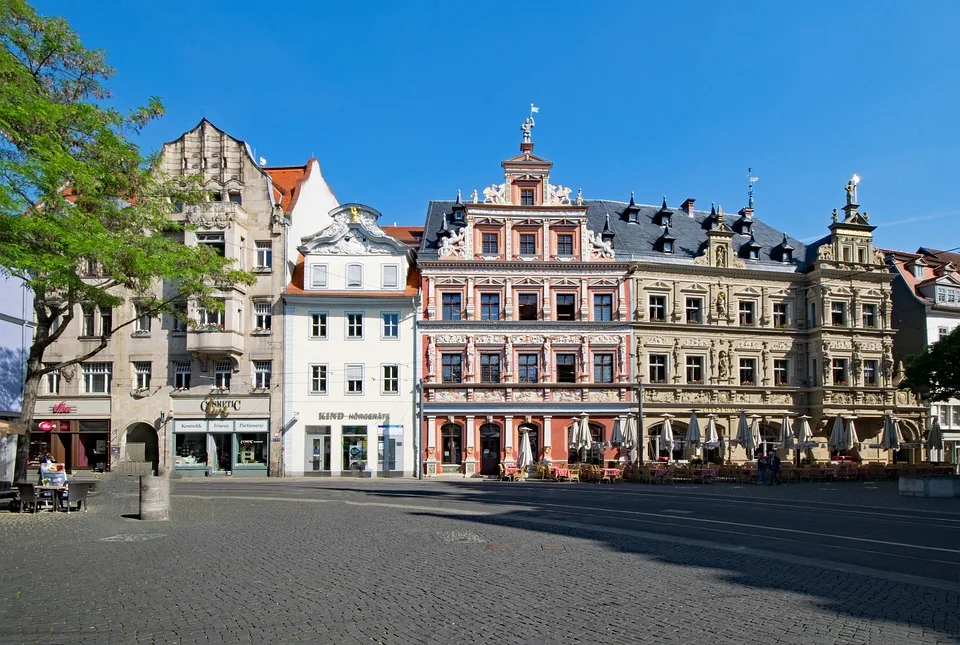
407,102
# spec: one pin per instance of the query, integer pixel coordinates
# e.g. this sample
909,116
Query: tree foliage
936,372
77,194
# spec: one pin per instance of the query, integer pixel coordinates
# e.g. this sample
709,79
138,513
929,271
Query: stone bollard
155,496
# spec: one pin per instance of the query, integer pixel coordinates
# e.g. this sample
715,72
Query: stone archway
142,450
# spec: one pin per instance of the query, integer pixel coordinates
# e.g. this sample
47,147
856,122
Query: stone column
431,445
622,300
547,439
431,298
470,298
584,301
508,301
509,457
508,240
470,463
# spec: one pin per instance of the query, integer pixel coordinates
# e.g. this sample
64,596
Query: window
814,372
451,438
870,372
390,276
566,368
747,312
603,306
695,369
106,321
209,319
318,325
869,315
564,244
261,374
566,306
96,378
838,313
847,254
528,244
918,271
222,371
142,324
748,371
489,306
603,368
527,368
753,253
318,379
451,306
355,325
213,241
526,197
391,379
657,364
489,368
86,323
318,276
781,371
235,197
355,447
354,276
658,308
490,243
262,316
528,306
695,310
391,324
141,375
354,378
942,332
264,258
451,365
948,295
812,315
51,380
178,321
668,246
839,371
181,375
780,313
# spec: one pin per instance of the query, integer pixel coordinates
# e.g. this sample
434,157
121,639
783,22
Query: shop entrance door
489,449
390,449
318,454
220,452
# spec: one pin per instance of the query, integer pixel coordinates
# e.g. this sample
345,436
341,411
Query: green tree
77,194
935,372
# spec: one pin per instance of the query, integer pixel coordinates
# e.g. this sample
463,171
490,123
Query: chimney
687,206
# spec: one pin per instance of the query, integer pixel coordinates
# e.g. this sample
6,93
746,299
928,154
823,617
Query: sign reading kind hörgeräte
352,416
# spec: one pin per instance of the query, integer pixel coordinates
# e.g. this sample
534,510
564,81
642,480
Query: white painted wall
937,319
311,212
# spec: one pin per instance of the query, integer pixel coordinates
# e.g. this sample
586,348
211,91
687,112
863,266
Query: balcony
215,342
219,215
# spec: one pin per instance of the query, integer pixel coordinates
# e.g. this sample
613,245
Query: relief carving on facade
825,252
528,339
490,340
453,245
528,396
450,395
603,395
351,245
557,195
209,215
604,340
451,339
495,194
695,342
565,340
489,395
748,344
567,395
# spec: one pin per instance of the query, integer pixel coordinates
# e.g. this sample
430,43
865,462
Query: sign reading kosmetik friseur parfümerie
352,416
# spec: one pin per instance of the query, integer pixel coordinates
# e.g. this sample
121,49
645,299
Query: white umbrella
525,458
804,434
754,434
693,431
836,440
666,436
710,434
630,433
891,438
786,435
617,436
850,439
935,437
743,431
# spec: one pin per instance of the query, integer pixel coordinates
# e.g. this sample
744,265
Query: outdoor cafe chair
76,493
29,497
574,473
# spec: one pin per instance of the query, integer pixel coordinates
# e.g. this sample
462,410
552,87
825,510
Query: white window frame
747,308
785,369
384,271
92,371
142,371
318,322
384,327
665,365
747,363
698,309
181,375
319,378
144,321
347,328
212,316
354,281
351,370
51,381
786,314
264,255
88,326
689,366
318,276
840,363
222,375
875,365
650,306
262,372
387,380
262,315
839,306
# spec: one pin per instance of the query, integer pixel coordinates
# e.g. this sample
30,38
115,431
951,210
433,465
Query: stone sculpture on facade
495,194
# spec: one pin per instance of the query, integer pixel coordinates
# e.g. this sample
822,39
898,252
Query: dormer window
918,271
746,228
753,254
457,215
666,220
668,246
526,197
633,216
632,211
788,255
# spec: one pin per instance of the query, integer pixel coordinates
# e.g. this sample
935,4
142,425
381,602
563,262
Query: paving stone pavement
229,570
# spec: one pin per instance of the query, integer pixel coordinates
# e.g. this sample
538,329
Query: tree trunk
31,387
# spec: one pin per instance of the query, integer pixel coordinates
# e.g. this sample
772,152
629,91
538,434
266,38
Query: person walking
761,468
774,469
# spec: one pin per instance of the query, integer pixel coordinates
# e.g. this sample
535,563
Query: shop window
748,371
658,308
781,371
566,306
222,372
839,371
391,324
869,315
355,325
564,244
566,368
489,368
191,449
780,314
451,441
181,375
603,307
318,276
213,241
106,321
264,259
528,244
318,325
51,380
318,448
695,310
354,379
354,276
261,374
527,366
451,365
870,372
390,276
251,449
490,243
838,313
695,369
747,309
355,447
450,306
603,368
86,322
489,306
391,379
96,378
263,316
527,306
657,364
318,379
141,375
526,197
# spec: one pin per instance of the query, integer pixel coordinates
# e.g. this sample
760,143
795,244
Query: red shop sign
62,408
46,426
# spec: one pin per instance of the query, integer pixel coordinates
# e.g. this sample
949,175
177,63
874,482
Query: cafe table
54,490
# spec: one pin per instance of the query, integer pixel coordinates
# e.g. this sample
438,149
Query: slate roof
638,241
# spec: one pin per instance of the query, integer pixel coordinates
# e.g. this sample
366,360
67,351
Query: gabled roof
287,181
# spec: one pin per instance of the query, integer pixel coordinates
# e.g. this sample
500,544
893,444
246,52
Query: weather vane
752,181
528,123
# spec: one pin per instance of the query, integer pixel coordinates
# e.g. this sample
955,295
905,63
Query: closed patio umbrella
666,436
585,440
935,437
630,438
525,457
836,440
804,434
891,438
710,434
754,433
617,436
850,439
744,436
693,430
786,435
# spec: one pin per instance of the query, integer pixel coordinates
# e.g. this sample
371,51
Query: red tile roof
287,181
409,235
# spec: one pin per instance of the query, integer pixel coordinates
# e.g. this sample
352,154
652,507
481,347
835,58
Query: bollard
155,497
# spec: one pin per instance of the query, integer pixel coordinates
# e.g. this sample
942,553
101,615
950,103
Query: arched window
451,443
